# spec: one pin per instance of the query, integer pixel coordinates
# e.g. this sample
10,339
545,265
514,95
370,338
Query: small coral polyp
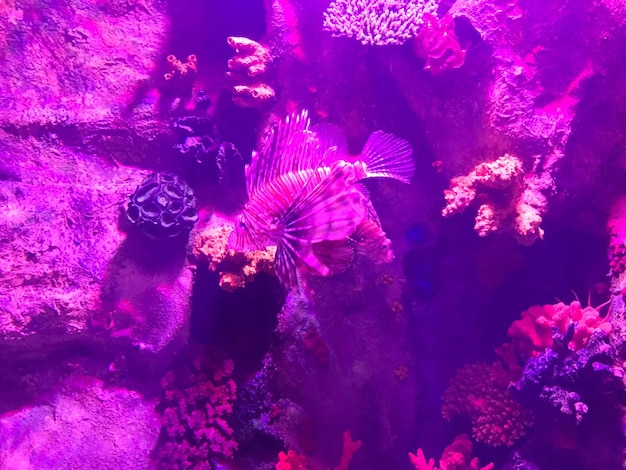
163,206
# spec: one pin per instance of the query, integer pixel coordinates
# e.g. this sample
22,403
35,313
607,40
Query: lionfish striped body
304,198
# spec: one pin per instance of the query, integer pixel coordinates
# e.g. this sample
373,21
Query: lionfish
305,198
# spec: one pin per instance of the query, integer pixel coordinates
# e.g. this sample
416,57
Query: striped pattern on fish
304,197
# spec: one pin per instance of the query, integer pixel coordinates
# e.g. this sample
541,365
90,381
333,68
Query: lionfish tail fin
388,156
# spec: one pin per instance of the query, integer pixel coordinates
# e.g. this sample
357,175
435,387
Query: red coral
481,391
198,401
291,461
533,332
437,43
294,461
457,456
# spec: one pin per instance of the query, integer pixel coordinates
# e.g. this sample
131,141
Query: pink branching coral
377,22
481,391
437,43
349,447
245,69
235,268
507,197
457,456
533,332
198,401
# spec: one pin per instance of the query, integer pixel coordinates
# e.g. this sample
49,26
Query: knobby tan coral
245,69
235,268
508,198
377,22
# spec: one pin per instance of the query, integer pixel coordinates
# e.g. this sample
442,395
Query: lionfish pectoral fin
329,211
332,139
285,265
335,254
388,156
312,262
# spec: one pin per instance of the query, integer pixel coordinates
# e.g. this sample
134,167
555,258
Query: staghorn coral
235,268
377,22
251,60
457,456
197,403
481,391
509,200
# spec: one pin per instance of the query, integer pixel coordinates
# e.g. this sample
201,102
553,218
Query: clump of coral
235,268
179,69
163,206
246,70
456,456
481,391
377,22
437,43
533,332
561,376
219,161
507,200
198,402
291,460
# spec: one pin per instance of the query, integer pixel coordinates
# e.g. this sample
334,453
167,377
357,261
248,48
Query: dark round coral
163,206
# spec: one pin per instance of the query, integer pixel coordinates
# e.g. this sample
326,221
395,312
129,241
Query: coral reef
210,246
246,70
373,22
516,107
456,456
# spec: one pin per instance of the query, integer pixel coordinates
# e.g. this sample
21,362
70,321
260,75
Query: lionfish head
242,237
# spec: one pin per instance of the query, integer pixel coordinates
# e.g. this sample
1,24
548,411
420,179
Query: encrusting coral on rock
235,268
507,201
251,61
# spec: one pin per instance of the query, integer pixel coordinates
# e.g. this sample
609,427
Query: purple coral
562,378
197,404
377,22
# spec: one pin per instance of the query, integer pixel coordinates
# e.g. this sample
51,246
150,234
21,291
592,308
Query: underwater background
135,334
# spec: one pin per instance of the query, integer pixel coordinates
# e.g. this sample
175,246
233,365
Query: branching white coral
377,22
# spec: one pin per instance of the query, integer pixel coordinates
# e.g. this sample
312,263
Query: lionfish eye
242,224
